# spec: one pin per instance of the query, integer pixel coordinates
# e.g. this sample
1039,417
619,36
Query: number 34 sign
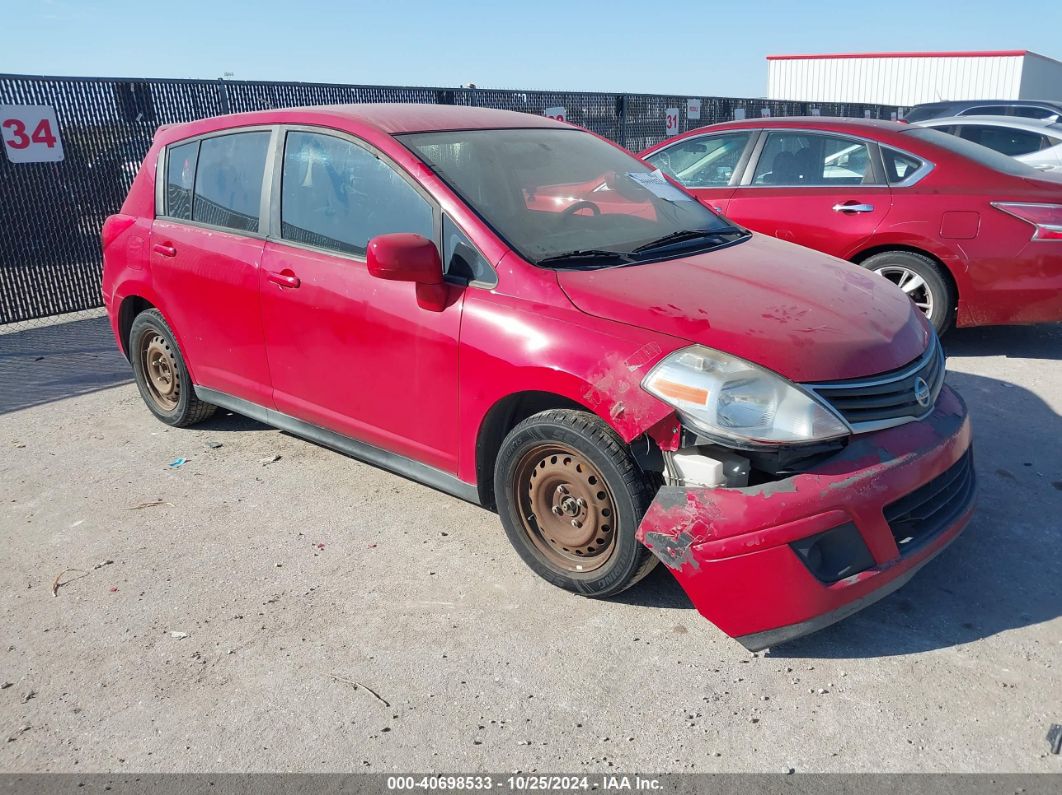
30,133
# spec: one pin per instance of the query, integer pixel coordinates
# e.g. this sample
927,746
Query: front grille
889,399
931,508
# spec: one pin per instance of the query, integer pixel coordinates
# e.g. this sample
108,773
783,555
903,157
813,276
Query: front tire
923,281
570,497
161,374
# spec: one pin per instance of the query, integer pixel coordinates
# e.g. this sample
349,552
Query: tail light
1046,219
114,226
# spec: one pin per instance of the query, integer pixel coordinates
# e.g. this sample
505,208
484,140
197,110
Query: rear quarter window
898,165
180,178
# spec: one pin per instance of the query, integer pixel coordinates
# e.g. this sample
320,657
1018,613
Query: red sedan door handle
165,249
286,278
853,207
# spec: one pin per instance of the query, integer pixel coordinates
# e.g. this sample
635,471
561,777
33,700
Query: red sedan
524,315
974,237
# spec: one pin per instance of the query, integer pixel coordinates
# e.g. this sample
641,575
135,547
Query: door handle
286,278
165,249
853,208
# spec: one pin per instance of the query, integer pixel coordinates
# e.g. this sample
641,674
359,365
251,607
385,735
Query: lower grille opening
929,509
835,554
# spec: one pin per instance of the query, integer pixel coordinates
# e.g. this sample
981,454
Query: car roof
1013,122
970,103
389,118
404,117
890,133
831,123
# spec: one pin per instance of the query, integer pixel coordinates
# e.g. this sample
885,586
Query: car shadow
1022,342
658,589
43,364
225,421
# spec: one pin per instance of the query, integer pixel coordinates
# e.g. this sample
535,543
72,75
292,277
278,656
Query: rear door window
1003,139
228,181
811,159
1023,111
706,162
338,195
1035,113
988,110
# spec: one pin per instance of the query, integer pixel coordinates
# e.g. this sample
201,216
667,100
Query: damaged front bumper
772,562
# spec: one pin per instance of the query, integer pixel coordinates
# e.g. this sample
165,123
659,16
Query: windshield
989,158
565,198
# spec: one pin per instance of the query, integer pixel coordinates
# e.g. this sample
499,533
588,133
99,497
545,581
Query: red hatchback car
526,316
973,236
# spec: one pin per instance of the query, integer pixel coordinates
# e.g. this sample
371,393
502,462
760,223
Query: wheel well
945,271
503,416
131,306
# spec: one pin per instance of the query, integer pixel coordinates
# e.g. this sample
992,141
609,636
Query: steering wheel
575,207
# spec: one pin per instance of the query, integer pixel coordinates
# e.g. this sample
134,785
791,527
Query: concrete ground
313,613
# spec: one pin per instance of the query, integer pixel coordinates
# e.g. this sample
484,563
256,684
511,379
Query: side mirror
405,257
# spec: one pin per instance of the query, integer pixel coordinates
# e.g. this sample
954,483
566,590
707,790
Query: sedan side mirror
405,257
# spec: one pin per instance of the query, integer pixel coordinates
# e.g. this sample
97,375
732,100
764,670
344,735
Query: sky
667,47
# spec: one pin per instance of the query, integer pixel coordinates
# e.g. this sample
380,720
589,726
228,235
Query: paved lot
296,580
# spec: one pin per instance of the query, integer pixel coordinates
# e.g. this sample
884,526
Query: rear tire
571,497
923,281
161,374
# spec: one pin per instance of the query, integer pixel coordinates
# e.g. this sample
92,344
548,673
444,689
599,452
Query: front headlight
733,400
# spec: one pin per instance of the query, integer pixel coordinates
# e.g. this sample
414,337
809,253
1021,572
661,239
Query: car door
822,190
348,351
205,251
707,165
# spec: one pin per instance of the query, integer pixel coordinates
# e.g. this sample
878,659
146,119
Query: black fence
51,212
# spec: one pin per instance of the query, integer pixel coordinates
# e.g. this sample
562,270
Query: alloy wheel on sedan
912,284
922,280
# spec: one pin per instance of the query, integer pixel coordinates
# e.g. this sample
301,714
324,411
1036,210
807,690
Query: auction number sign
557,114
30,133
672,125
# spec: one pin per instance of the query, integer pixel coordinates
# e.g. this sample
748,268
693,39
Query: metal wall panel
1041,78
897,80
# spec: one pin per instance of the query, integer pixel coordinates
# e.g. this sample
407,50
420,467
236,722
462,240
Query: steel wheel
911,283
566,508
161,373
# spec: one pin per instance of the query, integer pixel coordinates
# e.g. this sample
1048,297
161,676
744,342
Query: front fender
509,345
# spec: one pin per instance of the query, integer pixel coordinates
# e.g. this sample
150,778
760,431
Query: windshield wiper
589,256
683,235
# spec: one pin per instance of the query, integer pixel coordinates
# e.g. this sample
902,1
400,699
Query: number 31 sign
30,133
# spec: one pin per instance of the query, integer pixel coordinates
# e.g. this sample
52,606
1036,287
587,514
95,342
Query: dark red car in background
973,236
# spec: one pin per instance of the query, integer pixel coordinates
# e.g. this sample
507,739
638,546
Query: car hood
805,315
